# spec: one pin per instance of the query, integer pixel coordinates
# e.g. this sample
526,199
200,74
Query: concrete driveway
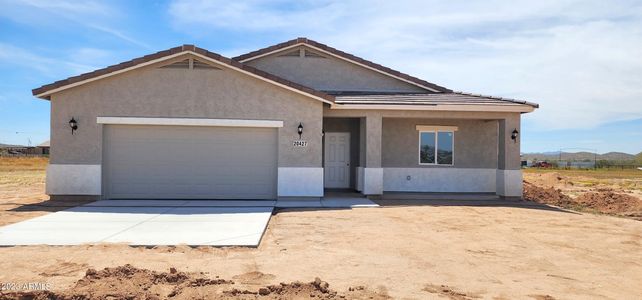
146,222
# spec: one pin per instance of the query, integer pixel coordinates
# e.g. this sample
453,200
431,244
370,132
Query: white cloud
25,59
579,59
74,7
253,14
96,15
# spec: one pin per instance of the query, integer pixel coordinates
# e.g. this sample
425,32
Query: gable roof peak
45,91
345,56
188,47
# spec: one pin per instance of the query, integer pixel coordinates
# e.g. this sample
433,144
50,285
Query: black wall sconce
300,130
514,135
73,124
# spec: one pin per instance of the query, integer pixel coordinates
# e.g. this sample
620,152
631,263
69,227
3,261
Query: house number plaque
300,143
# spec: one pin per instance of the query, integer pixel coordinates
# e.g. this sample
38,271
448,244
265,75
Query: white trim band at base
372,181
509,183
300,182
73,180
439,180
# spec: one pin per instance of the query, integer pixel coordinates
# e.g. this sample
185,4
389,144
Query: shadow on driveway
472,203
46,206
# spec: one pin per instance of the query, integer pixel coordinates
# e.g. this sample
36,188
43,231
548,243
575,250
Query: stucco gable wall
199,93
329,74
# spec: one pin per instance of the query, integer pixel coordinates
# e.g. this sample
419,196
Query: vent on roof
202,65
309,53
189,63
183,64
302,53
294,53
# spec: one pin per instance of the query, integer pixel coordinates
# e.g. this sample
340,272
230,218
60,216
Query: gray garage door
188,162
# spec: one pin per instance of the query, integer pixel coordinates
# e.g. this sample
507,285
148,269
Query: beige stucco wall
475,143
493,151
329,74
199,93
509,149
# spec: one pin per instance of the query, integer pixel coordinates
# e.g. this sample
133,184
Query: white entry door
337,160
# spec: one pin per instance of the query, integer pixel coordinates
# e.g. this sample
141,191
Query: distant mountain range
577,156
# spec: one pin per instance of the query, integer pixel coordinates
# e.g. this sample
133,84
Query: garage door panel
182,191
172,162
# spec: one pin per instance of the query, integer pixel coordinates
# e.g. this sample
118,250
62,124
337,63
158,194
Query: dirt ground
22,184
403,250
614,192
128,282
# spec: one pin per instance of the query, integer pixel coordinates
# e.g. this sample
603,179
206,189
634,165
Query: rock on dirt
129,282
448,292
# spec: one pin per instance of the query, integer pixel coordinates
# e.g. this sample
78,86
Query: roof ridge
176,50
345,55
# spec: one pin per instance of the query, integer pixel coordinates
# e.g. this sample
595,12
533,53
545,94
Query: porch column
509,173
372,172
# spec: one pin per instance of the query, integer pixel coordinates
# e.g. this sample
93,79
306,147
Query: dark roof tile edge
377,95
344,55
175,50
517,101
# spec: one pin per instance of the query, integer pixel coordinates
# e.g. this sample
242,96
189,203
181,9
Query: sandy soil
22,186
128,282
405,250
588,191
577,182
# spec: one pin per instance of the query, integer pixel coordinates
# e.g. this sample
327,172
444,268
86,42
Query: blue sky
581,60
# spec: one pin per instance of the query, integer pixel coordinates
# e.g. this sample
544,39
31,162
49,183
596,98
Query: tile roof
342,54
445,96
176,50
454,98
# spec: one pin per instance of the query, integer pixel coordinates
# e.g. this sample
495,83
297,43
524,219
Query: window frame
436,131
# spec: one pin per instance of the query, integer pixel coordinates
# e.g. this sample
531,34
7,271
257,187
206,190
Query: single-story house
288,121
43,148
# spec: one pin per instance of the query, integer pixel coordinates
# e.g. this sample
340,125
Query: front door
337,160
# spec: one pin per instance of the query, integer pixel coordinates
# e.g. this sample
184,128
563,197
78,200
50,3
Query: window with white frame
436,145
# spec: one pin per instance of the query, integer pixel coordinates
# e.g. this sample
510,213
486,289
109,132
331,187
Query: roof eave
511,100
517,108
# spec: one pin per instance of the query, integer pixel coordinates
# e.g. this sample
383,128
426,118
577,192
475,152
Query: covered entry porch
422,152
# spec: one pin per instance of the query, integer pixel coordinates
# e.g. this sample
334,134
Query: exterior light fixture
514,135
300,130
73,124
